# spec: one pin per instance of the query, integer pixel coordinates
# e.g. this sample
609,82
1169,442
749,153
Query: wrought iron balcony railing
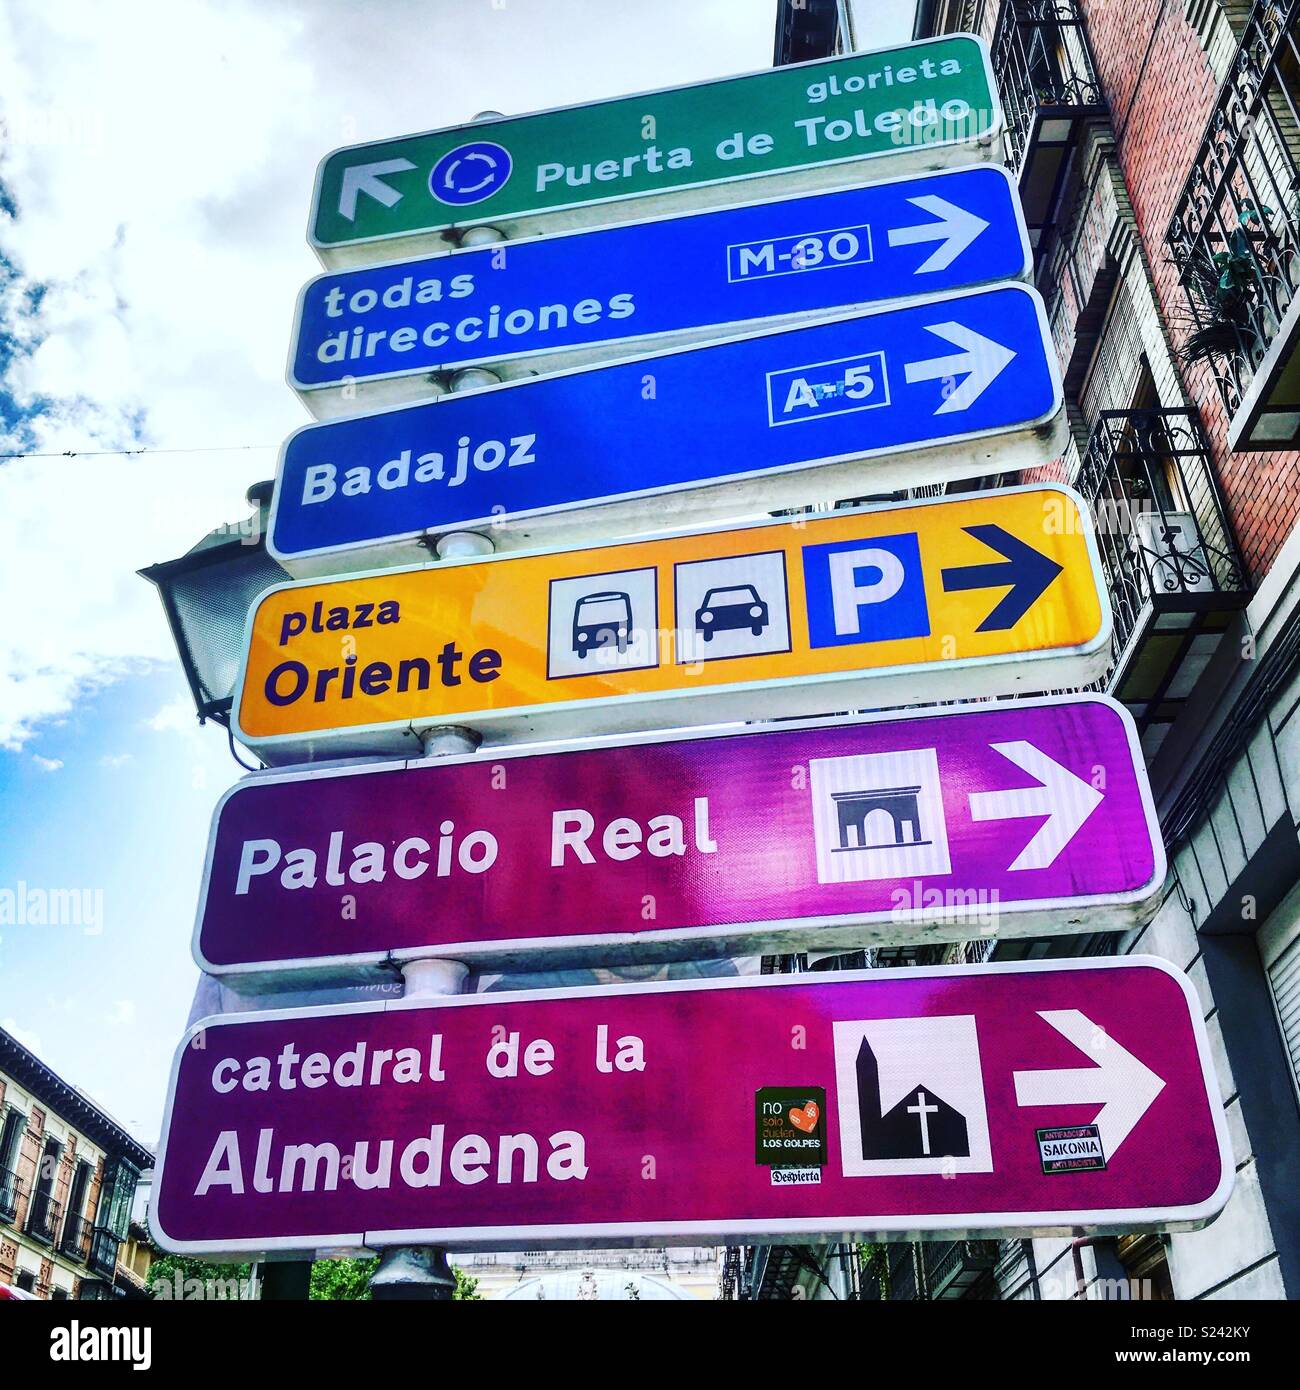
1043,67
953,1267
873,1276
1162,529
11,1190
75,1240
104,1245
1049,89
904,1285
1236,226
1170,560
43,1217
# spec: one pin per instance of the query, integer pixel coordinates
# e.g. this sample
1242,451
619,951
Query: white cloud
122,1012
176,717
113,761
29,1040
161,155
159,325
47,764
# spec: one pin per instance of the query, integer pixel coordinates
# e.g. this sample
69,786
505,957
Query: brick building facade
1157,148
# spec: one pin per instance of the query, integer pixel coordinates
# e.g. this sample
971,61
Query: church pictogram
910,1096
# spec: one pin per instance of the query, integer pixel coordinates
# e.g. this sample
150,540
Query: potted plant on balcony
1227,288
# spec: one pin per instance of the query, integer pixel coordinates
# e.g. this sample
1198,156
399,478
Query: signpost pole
483,234
420,1273
463,545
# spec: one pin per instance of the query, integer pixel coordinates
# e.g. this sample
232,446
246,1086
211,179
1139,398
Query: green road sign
927,104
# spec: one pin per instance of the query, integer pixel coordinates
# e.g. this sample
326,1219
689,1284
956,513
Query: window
1279,945
43,1215
11,1133
14,1124
25,1280
76,1229
1146,1264
116,1196
80,1184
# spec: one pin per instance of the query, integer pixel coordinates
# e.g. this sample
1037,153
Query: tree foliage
333,1281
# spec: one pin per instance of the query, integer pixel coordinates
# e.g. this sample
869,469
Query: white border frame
1066,1222
847,931
922,156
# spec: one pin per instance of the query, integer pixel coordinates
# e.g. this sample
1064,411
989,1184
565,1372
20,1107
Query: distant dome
596,1285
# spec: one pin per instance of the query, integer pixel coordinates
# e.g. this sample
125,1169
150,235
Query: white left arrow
980,360
365,178
1064,798
1124,1086
954,231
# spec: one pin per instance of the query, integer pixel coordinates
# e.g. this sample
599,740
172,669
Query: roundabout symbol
470,173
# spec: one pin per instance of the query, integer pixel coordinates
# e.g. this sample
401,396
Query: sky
156,165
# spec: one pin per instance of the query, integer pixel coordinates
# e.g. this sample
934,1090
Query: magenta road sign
1024,817
1012,1099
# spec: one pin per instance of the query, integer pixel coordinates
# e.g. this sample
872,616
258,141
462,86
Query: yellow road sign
986,594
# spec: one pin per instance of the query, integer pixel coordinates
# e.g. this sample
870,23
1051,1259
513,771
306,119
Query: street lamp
207,594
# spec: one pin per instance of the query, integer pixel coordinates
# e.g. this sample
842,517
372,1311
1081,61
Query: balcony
12,1191
1168,554
1049,89
806,30
43,1217
953,1268
773,1271
903,1284
1236,230
873,1276
75,1240
104,1246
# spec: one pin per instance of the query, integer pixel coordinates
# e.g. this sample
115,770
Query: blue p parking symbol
865,591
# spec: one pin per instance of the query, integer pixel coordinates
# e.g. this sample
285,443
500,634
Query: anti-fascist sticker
1070,1149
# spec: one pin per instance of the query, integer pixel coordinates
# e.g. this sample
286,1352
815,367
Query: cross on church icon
910,1096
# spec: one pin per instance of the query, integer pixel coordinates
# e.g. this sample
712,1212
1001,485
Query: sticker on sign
553,1117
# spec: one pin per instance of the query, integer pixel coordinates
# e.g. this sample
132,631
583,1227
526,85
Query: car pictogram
730,609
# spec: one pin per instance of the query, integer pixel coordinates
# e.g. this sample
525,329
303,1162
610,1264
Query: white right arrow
1124,1086
364,178
981,361
1064,798
955,230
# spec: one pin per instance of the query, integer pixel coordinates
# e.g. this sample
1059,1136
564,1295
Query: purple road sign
1022,818
1038,1097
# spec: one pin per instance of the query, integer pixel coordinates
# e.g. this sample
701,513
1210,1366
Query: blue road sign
969,377
569,300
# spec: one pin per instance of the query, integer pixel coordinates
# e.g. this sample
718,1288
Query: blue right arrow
1027,571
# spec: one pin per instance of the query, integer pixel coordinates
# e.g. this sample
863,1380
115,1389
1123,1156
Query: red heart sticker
806,1119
